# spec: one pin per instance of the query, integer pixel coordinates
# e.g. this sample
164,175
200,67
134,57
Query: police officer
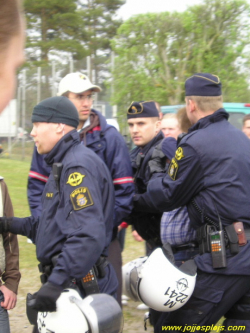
75,228
209,174
144,128
107,143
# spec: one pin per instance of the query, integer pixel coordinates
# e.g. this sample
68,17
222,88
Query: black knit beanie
57,109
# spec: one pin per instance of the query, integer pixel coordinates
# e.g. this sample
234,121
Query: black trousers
115,258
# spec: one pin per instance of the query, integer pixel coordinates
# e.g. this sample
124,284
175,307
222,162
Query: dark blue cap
169,146
142,110
203,84
57,109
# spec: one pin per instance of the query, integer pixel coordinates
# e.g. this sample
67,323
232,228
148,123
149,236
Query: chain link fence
34,85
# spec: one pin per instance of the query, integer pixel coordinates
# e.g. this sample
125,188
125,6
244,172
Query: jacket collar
152,143
62,146
215,117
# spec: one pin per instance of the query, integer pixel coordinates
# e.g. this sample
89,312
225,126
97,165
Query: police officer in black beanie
209,174
75,228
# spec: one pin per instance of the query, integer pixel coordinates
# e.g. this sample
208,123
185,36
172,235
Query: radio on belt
218,248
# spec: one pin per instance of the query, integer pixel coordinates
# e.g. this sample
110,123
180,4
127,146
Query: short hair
169,116
184,122
10,21
207,103
247,117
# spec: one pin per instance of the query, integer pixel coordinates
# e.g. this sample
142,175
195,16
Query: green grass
15,173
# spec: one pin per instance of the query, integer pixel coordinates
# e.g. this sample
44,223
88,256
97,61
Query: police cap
203,84
142,110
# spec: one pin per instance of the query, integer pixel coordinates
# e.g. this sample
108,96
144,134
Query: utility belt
235,235
191,247
87,283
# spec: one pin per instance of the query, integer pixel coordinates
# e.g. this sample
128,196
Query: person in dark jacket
74,230
144,127
209,174
107,143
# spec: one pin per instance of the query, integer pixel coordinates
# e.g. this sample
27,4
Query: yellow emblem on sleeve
81,198
173,168
179,154
75,179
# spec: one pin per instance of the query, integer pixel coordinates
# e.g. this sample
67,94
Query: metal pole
38,84
18,117
9,136
89,67
114,107
23,111
71,65
53,78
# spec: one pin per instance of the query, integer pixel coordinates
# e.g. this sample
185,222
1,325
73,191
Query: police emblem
182,284
75,179
81,198
173,168
179,154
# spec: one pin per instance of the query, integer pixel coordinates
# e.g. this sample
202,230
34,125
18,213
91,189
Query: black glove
5,223
46,297
147,225
158,160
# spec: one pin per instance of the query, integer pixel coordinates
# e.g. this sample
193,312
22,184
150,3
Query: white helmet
130,278
96,313
159,284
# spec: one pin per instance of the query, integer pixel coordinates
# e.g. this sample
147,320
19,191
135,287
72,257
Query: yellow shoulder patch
75,179
179,154
173,168
81,198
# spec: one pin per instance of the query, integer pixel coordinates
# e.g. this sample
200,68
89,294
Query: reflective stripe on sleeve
123,180
36,175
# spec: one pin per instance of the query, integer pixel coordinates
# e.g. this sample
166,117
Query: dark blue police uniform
146,224
210,170
76,221
110,146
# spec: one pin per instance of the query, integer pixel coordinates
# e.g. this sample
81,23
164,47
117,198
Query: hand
10,298
136,236
158,160
46,297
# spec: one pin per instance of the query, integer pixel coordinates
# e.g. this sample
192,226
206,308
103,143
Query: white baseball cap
76,83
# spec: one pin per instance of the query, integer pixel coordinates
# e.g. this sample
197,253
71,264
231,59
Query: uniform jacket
211,167
11,276
110,146
146,224
77,223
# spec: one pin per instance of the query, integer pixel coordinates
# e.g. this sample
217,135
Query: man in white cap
107,143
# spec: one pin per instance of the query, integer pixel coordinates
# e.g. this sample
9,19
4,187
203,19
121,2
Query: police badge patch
179,154
173,168
75,179
81,198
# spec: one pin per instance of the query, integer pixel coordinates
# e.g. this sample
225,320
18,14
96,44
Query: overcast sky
134,7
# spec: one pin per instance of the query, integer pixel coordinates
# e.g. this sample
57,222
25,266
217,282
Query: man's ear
191,105
60,128
157,126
